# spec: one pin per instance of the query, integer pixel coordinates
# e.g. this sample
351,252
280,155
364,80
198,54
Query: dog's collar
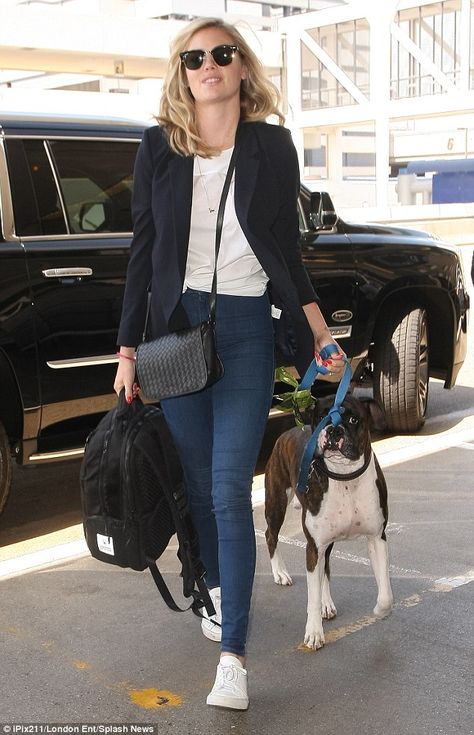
319,465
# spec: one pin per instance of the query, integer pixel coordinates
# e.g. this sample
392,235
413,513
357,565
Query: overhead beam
333,68
424,60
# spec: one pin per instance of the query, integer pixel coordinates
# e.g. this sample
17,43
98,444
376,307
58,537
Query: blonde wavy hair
259,97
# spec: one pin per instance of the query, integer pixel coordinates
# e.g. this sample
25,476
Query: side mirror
322,213
92,217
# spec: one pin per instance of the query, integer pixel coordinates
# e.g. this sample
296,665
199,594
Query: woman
216,96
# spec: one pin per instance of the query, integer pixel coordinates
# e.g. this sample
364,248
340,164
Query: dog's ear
375,414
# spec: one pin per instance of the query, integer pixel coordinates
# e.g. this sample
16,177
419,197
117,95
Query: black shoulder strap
219,223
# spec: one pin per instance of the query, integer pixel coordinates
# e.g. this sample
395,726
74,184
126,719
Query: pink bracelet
125,357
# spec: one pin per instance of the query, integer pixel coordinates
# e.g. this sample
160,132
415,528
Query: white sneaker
230,686
211,627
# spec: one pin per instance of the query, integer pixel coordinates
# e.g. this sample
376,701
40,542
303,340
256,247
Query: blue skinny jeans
218,433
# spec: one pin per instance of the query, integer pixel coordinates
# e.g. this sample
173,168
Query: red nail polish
129,399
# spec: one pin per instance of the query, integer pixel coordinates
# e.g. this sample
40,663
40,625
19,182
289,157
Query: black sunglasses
222,55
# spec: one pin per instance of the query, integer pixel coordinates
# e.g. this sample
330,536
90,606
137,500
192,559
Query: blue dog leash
334,416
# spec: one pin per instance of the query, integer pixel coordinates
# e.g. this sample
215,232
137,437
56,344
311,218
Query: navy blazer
266,191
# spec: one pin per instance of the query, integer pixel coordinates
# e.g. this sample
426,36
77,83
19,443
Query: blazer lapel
180,170
246,169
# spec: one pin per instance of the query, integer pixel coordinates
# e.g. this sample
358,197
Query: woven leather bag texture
179,363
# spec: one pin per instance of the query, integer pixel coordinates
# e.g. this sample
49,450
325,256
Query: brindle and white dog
346,498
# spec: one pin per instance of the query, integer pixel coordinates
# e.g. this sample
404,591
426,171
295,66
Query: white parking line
453,582
345,556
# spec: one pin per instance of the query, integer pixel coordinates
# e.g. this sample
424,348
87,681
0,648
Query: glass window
348,46
436,30
315,154
358,153
96,183
318,86
36,203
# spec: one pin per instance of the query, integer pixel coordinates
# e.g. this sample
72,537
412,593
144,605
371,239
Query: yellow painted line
410,601
345,630
440,585
81,665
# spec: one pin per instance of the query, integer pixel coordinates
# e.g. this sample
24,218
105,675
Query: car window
36,203
96,183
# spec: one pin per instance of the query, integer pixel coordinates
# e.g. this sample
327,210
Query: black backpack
133,499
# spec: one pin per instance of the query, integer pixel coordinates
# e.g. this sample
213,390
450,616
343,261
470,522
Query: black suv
395,299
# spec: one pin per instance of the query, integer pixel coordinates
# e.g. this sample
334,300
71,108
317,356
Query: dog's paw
280,574
282,577
314,638
328,610
383,610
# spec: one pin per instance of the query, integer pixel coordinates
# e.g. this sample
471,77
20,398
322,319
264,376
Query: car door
72,212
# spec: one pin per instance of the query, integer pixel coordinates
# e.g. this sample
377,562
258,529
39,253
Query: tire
401,368
5,467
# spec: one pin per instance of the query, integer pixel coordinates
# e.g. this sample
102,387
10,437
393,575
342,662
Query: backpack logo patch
105,544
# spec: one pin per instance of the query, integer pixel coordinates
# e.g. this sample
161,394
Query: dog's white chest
348,509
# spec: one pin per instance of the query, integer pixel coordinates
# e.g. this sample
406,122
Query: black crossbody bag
186,361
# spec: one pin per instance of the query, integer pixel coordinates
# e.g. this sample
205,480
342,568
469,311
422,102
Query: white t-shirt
239,273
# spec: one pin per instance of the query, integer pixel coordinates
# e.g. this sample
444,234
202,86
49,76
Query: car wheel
401,368
5,467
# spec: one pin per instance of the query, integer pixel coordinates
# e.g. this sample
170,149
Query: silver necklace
202,180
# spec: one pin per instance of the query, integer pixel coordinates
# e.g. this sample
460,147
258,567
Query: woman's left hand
335,363
323,338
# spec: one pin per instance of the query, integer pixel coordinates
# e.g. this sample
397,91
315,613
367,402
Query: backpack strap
200,599
188,553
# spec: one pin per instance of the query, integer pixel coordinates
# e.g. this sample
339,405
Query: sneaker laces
228,678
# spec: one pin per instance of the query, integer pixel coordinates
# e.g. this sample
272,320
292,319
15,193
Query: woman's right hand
125,375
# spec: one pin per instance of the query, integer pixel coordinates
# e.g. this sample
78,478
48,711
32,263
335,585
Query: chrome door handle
66,272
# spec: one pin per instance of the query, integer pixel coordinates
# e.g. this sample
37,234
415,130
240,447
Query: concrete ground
85,642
